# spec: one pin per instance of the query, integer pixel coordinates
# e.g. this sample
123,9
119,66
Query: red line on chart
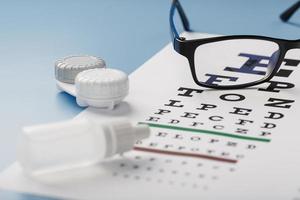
176,153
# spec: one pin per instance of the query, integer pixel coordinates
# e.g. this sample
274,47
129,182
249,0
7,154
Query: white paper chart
199,140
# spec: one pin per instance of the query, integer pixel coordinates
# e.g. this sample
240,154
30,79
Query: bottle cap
101,87
123,136
66,69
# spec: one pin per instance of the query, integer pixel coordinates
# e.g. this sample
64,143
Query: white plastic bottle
76,143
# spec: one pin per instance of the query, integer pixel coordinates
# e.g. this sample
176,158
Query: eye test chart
204,143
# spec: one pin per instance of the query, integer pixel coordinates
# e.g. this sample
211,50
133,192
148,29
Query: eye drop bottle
76,143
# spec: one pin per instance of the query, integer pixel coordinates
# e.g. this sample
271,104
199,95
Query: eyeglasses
231,62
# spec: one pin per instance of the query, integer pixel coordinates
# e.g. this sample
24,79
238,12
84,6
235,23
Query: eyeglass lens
235,62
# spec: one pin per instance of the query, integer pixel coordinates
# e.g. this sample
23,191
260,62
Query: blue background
33,34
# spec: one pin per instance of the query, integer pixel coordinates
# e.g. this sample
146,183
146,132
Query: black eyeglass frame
187,47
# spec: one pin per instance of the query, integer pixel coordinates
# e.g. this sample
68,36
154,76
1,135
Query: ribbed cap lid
104,84
66,69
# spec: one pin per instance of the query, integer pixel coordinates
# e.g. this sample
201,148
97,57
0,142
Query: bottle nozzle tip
142,131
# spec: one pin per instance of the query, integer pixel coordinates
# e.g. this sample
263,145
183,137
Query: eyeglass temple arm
185,22
286,15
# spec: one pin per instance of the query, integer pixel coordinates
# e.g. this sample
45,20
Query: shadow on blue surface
67,101
33,197
5,195
296,24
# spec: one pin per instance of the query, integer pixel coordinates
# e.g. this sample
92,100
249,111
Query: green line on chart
242,137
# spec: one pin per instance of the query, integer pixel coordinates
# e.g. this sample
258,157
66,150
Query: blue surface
126,33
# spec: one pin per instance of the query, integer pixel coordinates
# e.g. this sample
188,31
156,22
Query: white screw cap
102,88
123,136
66,69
